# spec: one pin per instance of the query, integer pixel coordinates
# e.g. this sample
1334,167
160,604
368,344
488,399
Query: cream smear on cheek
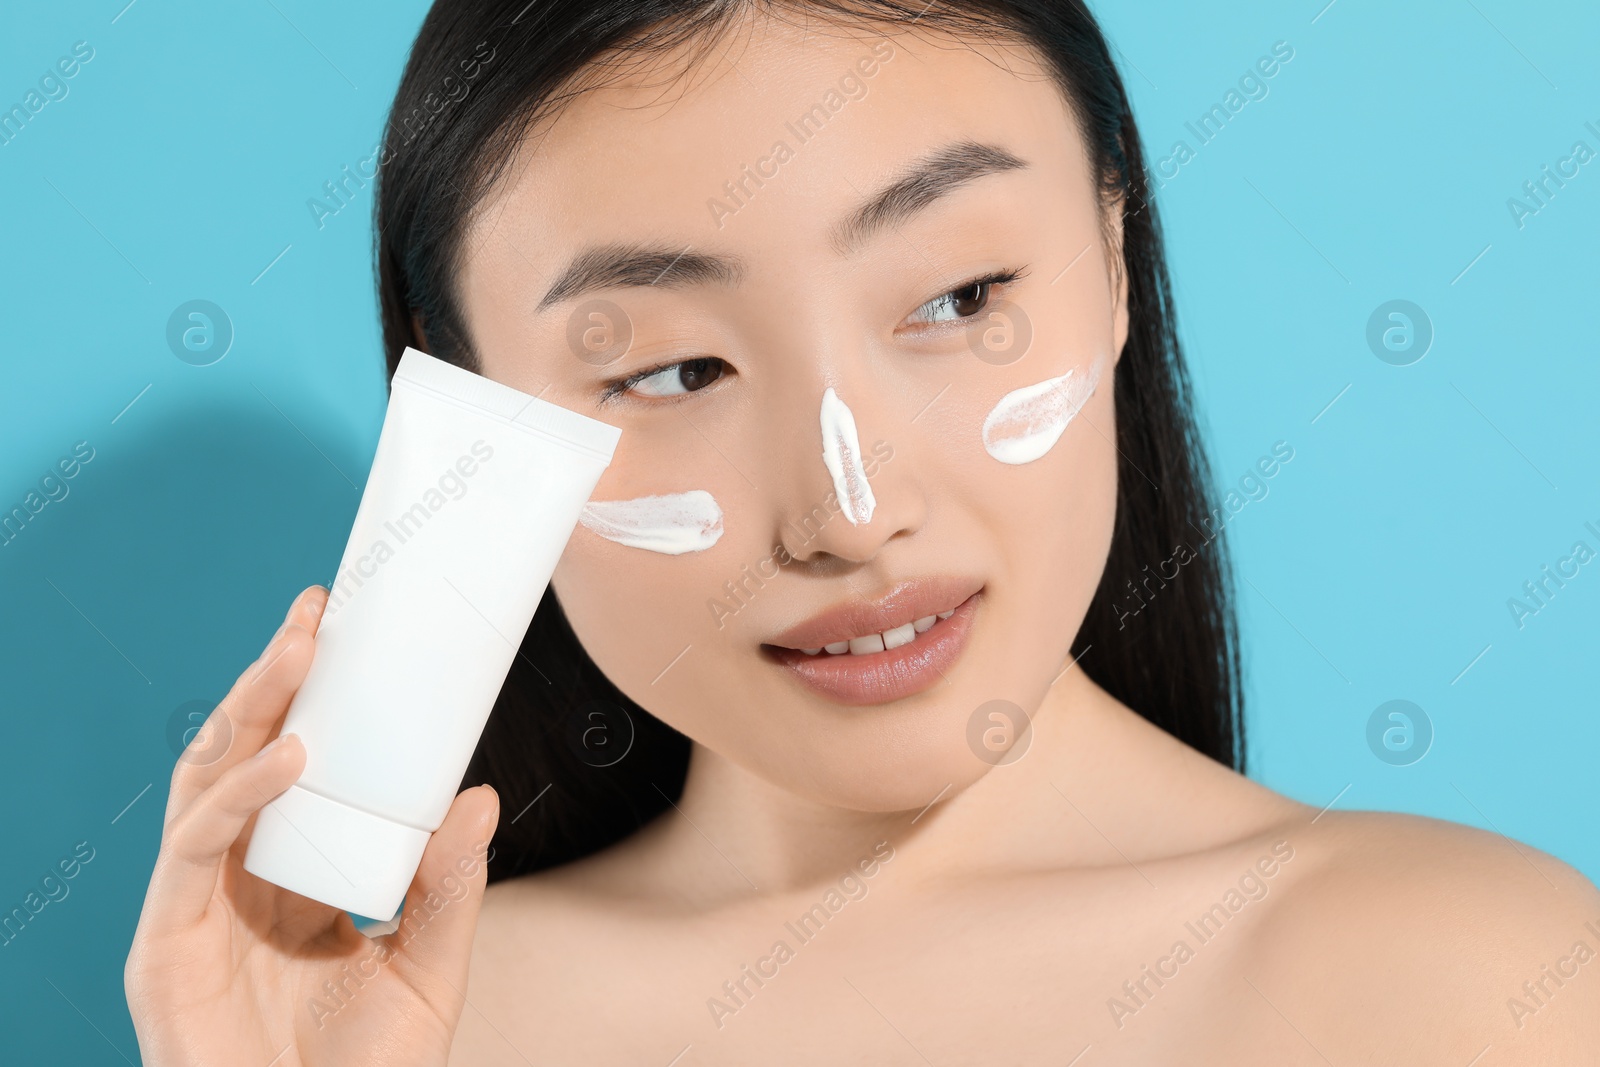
1027,422
841,454
672,524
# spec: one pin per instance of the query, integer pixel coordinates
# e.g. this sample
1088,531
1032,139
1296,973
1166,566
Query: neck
739,834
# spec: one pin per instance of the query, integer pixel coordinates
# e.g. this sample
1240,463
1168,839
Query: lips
895,673
906,601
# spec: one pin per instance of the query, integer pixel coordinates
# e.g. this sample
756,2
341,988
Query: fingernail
492,819
276,742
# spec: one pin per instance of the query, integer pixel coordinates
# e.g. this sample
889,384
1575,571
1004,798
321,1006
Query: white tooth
838,647
947,614
811,651
869,643
921,625
900,635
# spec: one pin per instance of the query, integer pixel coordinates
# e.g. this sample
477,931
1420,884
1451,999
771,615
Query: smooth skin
970,914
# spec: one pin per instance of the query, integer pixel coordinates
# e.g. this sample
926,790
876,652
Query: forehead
773,130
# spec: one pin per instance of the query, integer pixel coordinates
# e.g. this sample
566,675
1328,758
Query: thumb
440,913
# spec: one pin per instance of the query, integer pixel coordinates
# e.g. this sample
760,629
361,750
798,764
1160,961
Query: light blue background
1379,566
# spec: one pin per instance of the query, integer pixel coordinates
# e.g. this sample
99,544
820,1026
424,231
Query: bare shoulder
544,943
570,907
1398,932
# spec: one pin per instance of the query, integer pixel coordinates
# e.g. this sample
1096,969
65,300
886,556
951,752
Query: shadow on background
135,601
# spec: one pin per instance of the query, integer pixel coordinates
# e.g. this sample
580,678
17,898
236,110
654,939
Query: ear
1118,267
417,330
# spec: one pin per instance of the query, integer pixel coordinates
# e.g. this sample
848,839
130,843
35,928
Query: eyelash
620,386
1001,277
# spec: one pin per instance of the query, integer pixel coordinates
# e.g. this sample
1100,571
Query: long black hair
480,73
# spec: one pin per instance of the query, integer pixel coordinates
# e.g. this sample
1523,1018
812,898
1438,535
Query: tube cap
331,852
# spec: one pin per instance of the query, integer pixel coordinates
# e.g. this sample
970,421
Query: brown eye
965,302
687,377
970,300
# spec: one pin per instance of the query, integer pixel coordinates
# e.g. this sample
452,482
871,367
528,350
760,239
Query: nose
850,489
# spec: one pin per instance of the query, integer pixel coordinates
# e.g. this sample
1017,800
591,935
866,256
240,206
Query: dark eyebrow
935,175
923,182
618,265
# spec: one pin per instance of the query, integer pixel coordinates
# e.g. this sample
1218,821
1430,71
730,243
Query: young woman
884,709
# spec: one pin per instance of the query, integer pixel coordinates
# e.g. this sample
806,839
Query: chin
899,760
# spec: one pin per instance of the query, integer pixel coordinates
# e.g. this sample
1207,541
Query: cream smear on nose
841,453
1027,422
671,524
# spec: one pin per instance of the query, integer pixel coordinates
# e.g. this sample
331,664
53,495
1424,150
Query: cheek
654,587
1026,423
1047,523
1063,505
1084,508
1036,438
661,531
636,612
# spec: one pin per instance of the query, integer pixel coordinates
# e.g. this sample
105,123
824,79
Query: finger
307,609
441,908
244,720
194,843
249,715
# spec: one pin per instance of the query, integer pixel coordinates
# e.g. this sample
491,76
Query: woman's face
785,243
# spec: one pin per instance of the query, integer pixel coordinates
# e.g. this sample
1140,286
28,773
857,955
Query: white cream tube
473,493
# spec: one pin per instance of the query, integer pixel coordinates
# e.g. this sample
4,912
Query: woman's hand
227,968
